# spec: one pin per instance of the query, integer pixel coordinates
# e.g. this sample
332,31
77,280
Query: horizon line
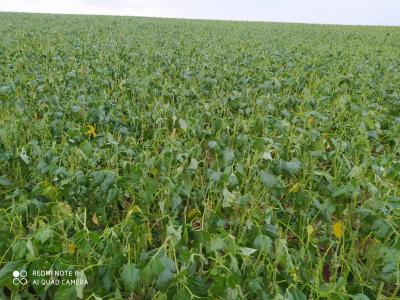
193,19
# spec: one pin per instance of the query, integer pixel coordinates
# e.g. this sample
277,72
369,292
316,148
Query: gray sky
365,12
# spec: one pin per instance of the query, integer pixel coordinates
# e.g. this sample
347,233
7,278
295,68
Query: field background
177,159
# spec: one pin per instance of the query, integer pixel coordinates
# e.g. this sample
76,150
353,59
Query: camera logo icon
19,277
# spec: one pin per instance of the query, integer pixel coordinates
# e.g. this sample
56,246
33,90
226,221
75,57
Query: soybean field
145,158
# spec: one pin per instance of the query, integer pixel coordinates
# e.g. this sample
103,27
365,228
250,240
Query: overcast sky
366,12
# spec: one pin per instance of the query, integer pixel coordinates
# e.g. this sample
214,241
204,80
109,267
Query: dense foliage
171,159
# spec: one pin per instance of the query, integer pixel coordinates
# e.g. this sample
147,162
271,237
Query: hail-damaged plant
176,159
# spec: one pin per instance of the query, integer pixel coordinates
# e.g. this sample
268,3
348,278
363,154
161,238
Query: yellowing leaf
310,229
154,172
338,229
121,84
149,235
95,220
192,214
295,188
63,210
134,209
150,238
91,130
71,248
173,134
